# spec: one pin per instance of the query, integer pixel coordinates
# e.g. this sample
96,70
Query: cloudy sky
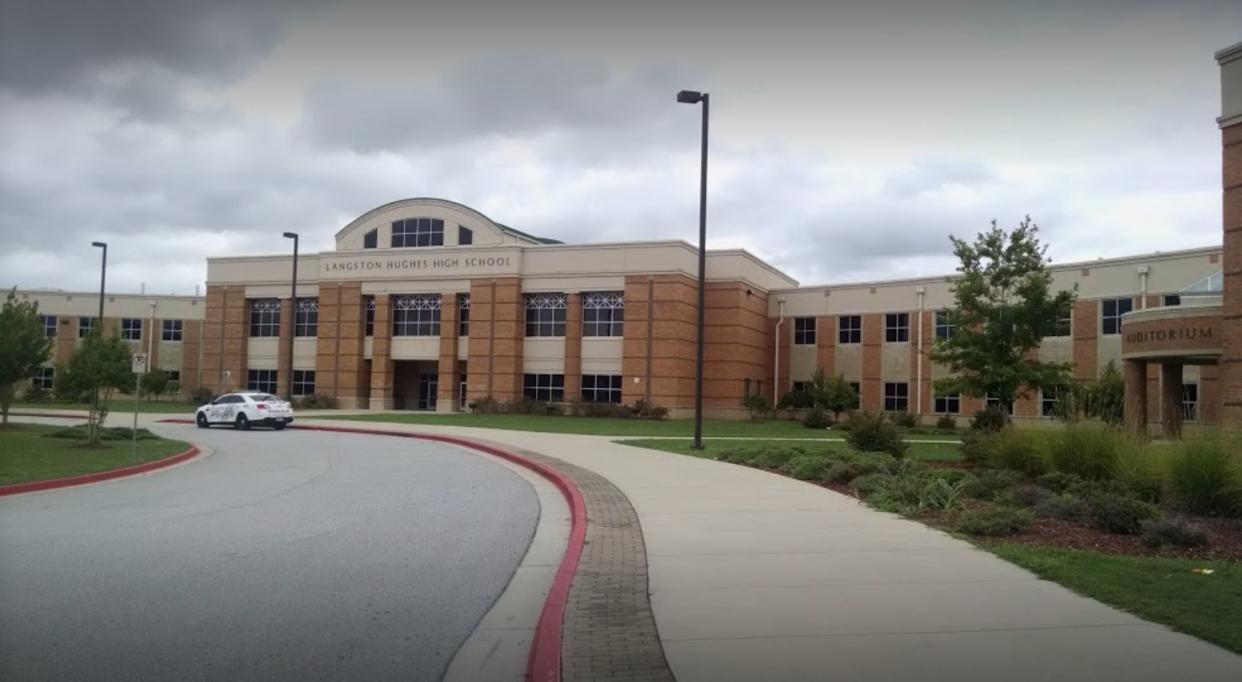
848,138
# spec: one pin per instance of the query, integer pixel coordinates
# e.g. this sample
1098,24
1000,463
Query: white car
243,410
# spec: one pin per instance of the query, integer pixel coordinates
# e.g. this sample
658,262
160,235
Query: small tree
99,364
835,394
24,347
757,405
1003,308
155,383
1103,399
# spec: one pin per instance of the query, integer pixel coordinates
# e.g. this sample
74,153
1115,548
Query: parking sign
140,363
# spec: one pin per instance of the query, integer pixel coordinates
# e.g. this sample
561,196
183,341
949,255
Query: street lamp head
101,245
291,235
689,97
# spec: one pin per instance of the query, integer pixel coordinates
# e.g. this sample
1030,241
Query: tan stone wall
497,330
872,384
1085,325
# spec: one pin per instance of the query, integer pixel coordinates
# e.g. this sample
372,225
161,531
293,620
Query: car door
225,409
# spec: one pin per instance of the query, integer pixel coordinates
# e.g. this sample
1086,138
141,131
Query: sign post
139,368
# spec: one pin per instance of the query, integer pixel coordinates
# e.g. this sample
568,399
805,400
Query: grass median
120,405
29,452
944,451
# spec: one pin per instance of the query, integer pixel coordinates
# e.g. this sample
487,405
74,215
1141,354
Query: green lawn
1158,589
26,454
941,452
117,406
598,426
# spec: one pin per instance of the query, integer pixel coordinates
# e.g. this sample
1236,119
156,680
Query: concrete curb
83,479
545,651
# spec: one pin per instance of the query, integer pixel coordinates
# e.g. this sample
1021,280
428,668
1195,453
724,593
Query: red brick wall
1229,384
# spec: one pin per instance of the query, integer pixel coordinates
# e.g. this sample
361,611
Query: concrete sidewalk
756,576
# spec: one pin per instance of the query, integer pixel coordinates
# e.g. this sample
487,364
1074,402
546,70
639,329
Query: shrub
867,485
989,420
1061,482
1025,495
905,420
107,433
317,401
775,457
874,433
994,521
1204,479
797,400
816,418
807,467
911,493
1090,451
644,409
990,483
947,423
1173,533
1140,471
201,396
848,466
1015,449
757,405
1118,514
1063,507
974,447
35,394
485,405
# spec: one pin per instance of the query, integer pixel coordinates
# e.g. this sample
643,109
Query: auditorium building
427,304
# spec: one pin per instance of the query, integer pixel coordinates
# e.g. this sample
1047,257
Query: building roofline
1228,54
503,228
109,294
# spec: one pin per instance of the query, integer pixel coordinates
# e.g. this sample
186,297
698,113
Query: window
261,380
173,375
264,317
896,396
1063,326
306,317
44,378
946,326
850,330
465,236
416,315
601,388
131,328
804,331
1190,402
857,388
603,313
170,330
49,326
370,316
370,240
992,403
544,388
897,327
85,326
303,382
1113,309
1050,401
752,387
461,391
545,314
418,232
948,404
463,315
1172,299
799,386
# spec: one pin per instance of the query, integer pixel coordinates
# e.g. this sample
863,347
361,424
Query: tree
1103,399
834,394
99,364
155,383
24,347
1003,309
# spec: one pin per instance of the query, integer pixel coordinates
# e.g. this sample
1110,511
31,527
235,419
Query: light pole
293,311
103,273
692,97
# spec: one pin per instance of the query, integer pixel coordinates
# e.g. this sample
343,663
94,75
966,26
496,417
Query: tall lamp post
293,311
103,273
692,97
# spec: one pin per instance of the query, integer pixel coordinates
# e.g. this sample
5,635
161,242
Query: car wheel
201,420
279,427
242,423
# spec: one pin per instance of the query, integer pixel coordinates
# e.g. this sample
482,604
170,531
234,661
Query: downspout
918,371
776,365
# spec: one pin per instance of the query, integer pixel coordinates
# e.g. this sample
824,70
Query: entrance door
428,385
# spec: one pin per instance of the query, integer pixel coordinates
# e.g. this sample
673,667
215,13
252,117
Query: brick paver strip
609,630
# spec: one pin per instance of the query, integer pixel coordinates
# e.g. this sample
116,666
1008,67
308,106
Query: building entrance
414,385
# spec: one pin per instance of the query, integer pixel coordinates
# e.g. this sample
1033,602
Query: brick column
636,346
234,340
1209,394
66,339
1086,325
1229,384
191,346
1170,399
327,340
872,384
1136,396
284,361
381,355
826,345
573,347
446,387
350,375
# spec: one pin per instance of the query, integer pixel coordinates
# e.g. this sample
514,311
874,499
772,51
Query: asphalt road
283,556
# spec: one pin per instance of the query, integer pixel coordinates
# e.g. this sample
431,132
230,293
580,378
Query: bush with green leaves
1024,495
906,420
874,433
1173,532
1205,477
913,492
994,521
797,399
201,396
776,456
989,420
947,423
1141,471
1062,506
816,418
758,406
810,467
35,394
82,432
988,484
644,409
1061,482
1018,450
845,467
1091,451
1119,514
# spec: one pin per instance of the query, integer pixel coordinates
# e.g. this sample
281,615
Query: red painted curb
83,479
544,664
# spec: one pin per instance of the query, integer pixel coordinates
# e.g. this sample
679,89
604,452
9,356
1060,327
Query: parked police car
243,410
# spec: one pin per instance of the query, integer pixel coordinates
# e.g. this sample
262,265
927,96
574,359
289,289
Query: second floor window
603,313
465,236
49,326
85,326
945,325
897,327
265,317
369,316
306,317
418,232
850,330
131,328
370,240
804,331
463,315
416,315
1111,311
170,330
545,314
